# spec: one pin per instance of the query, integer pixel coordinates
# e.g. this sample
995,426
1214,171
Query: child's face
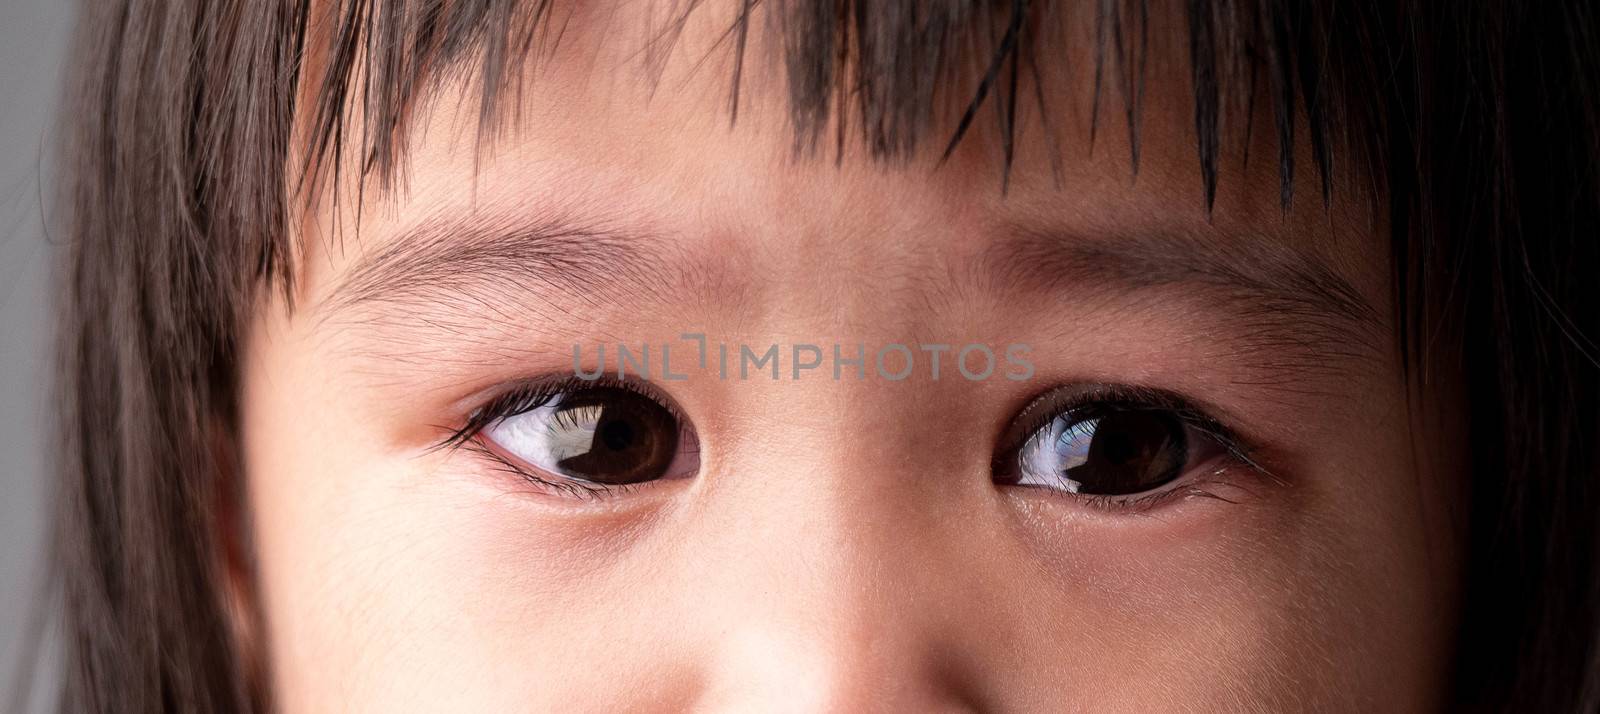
815,543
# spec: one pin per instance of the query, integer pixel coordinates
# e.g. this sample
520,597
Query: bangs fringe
873,72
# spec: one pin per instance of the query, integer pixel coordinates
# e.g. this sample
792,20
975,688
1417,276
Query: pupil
1130,452
632,438
1118,449
616,434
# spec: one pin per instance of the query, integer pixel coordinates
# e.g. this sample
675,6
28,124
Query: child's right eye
586,438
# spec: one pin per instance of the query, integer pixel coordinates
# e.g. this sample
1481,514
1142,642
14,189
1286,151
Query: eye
591,436
1110,444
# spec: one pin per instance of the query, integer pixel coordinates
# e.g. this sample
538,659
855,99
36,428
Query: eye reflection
1104,450
602,435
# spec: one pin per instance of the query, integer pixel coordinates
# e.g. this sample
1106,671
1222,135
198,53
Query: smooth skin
843,545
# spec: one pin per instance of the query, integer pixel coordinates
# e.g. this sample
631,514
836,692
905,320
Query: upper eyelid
1064,398
550,385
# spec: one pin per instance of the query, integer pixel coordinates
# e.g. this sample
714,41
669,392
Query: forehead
639,118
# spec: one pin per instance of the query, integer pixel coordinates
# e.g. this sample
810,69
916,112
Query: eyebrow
448,255
1288,309
1275,295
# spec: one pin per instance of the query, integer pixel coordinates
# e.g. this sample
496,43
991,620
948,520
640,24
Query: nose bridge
830,601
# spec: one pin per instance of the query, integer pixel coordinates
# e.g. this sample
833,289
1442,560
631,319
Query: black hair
194,127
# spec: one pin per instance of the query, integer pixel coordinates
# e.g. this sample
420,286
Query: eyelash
529,395
1043,409
526,396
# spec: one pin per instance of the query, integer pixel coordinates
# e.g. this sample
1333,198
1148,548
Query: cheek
1259,606
389,583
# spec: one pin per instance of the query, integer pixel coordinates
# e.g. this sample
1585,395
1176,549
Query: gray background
33,45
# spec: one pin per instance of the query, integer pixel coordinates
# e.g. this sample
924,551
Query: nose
842,594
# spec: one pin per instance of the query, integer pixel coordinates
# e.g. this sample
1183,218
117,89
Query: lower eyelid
1217,478
487,450
484,451
1144,503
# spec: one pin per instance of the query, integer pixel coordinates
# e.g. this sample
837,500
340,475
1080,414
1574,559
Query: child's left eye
596,437
1115,444
1115,454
